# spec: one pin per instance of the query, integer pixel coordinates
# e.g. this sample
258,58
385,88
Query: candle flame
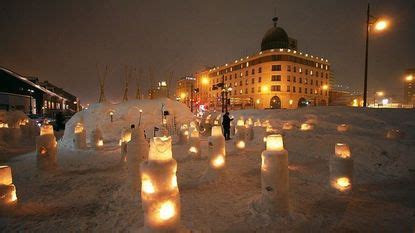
147,186
342,150
100,142
343,182
241,145
193,149
275,142
167,210
219,161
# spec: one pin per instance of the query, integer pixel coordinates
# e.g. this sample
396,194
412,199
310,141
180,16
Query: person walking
226,123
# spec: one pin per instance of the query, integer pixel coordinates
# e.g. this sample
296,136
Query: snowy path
89,191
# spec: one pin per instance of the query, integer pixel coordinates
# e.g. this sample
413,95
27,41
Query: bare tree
128,74
138,79
102,77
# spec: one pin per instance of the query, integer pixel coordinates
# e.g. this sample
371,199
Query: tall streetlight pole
380,25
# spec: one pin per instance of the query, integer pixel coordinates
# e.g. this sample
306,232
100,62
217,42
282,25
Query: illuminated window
300,70
240,74
276,67
275,88
240,91
276,78
311,72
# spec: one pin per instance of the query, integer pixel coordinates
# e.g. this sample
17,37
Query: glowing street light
205,80
409,78
379,25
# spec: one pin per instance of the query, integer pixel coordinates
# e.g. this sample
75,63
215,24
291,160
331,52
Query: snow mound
124,115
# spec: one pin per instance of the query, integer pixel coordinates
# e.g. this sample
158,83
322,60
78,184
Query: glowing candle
342,150
46,129
274,142
240,136
46,149
80,136
7,189
306,127
194,144
341,169
287,126
216,131
216,156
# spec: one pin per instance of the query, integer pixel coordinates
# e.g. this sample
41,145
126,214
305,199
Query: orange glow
409,78
219,161
343,182
305,127
167,210
264,89
205,80
381,25
193,149
100,142
147,186
79,128
342,150
325,87
240,145
43,150
275,143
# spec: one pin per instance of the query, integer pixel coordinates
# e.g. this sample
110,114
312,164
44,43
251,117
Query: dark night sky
62,41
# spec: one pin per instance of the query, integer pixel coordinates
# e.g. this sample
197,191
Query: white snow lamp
97,139
46,148
306,127
184,134
342,128
194,144
341,168
274,177
159,190
216,156
8,195
125,138
240,136
80,136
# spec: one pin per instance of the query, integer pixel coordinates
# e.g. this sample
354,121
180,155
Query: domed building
278,76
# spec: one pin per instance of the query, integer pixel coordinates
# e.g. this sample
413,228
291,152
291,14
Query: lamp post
379,25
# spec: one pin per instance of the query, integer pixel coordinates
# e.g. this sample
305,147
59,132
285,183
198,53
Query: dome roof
275,38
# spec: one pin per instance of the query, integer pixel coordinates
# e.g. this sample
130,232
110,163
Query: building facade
409,87
160,91
33,97
278,76
185,90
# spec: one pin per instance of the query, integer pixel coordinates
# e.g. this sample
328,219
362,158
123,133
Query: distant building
409,87
160,91
185,90
345,98
278,76
34,97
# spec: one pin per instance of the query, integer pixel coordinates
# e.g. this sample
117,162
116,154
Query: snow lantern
7,189
341,168
274,177
137,151
216,155
257,123
249,125
4,125
342,128
306,127
194,144
80,136
395,134
159,189
184,134
287,126
97,139
240,136
46,148
125,138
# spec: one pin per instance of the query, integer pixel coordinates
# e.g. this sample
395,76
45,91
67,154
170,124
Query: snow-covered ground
89,191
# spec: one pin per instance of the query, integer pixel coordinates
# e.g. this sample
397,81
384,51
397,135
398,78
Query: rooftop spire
275,19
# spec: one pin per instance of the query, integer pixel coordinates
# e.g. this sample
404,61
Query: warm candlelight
217,131
218,162
7,188
100,142
240,122
342,150
46,129
79,128
287,126
160,148
274,142
306,127
146,185
343,182
167,210
240,145
193,149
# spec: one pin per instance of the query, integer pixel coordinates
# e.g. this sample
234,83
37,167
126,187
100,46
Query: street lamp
409,78
379,25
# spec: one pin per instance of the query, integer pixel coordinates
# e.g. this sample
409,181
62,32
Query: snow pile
16,127
124,115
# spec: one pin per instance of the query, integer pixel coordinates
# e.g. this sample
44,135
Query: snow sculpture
159,190
194,144
46,148
216,155
184,134
137,151
287,126
341,168
342,128
240,135
249,129
97,139
125,138
274,177
7,189
80,136
306,127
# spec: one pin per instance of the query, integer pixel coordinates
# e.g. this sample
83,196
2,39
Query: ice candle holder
341,169
46,148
